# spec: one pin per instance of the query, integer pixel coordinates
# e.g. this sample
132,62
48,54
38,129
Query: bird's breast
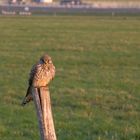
42,77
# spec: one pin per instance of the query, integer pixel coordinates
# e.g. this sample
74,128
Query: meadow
96,92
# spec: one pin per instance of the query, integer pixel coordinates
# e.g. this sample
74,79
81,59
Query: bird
41,74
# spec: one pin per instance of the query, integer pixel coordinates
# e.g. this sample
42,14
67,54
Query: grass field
96,92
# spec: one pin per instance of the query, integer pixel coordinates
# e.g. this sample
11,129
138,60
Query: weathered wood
47,113
39,113
44,113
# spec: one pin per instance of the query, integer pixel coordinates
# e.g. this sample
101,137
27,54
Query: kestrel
41,74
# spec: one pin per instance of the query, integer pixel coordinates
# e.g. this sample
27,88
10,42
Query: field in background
96,91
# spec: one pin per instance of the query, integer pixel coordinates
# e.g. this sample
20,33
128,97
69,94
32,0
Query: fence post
44,113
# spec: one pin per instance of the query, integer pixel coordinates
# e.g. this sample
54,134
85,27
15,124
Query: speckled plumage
41,74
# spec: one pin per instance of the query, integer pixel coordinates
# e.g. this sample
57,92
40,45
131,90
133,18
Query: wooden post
43,106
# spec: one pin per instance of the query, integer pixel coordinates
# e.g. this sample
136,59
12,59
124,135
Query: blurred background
29,7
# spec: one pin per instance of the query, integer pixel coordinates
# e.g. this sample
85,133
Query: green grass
96,92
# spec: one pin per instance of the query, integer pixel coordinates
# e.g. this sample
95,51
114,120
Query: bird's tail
28,97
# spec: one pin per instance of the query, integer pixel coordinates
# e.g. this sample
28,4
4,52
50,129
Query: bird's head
46,59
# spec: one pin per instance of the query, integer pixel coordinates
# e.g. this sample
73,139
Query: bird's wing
34,73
